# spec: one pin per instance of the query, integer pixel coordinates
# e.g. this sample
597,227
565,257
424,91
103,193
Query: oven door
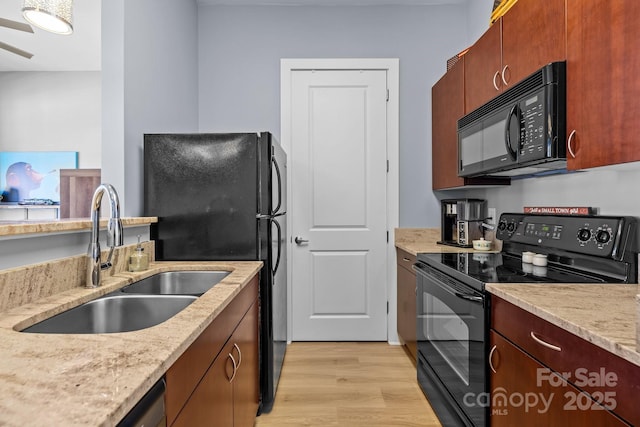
452,325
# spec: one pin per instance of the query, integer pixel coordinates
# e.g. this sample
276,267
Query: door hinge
387,95
387,166
387,307
387,236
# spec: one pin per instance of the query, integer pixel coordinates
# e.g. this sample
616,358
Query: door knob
300,241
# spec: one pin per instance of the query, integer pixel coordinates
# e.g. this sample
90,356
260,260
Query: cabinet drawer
188,370
582,363
405,260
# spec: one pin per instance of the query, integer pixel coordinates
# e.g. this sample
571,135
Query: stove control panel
605,236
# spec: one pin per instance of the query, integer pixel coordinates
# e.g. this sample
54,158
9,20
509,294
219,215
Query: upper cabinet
603,87
530,35
447,106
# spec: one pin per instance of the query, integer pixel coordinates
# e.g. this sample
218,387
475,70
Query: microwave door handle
507,133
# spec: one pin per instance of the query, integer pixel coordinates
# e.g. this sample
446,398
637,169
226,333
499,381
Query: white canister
527,257
540,260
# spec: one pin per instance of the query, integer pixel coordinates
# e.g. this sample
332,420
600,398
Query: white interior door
338,163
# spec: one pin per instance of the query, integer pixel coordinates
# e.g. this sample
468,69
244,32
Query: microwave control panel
532,127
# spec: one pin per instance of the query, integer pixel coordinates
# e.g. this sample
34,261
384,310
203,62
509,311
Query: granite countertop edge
95,379
598,325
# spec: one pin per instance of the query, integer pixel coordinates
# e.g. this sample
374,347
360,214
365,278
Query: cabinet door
603,87
246,388
482,64
211,403
526,393
447,102
406,300
533,35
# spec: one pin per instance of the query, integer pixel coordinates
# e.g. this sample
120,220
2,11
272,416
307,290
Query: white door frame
392,67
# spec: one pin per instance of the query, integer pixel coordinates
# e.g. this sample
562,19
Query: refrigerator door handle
277,169
265,216
279,246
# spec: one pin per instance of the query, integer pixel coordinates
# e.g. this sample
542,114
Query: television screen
28,175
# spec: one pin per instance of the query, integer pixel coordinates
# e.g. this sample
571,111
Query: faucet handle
114,232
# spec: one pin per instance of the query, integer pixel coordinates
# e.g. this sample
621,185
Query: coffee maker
461,221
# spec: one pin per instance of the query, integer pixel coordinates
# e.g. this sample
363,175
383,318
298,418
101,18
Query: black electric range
453,308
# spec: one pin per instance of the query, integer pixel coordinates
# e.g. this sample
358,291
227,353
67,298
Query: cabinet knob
235,368
544,343
239,354
495,76
569,141
504,71
493,350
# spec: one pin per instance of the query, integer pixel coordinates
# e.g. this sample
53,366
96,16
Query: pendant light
55,16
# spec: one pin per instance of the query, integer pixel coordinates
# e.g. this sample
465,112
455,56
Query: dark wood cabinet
227,395
525,392
588,385
603,87
216,380
406,302
483,63
530,35
447,106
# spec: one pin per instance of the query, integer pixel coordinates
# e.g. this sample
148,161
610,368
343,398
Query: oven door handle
471,297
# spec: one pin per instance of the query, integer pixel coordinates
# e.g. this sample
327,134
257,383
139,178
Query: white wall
150,84
241,48
45,111
478,18
612,189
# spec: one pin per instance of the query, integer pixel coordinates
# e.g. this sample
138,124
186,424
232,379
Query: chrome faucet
114,233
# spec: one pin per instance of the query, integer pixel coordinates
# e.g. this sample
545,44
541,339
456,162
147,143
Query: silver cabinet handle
299,240
495,85
493,350
504,70
235,368
239,355
545,344
569,141
406,259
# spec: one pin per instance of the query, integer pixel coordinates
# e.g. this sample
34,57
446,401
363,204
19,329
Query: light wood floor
348,384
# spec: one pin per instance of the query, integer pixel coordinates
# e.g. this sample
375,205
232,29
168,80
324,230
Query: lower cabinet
543,375
216,381
525,392
406,301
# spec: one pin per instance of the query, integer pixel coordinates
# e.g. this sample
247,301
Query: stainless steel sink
109,314
177,283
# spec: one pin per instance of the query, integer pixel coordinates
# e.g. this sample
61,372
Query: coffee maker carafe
461,221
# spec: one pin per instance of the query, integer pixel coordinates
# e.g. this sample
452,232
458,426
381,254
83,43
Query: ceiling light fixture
55,16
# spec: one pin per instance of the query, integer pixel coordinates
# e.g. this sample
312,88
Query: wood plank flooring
348,384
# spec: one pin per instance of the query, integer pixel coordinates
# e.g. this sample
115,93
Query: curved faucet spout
114,233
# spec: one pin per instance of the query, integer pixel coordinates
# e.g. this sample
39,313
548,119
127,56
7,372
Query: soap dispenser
138,261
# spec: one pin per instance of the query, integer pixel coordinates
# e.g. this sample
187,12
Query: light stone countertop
16,228
604,315
95,379
417,240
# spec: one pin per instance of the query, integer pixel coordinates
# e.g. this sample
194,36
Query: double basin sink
140,305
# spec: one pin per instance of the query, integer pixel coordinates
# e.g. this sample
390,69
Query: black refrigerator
222,197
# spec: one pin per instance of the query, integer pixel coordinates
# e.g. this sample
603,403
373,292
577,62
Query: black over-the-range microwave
520,132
